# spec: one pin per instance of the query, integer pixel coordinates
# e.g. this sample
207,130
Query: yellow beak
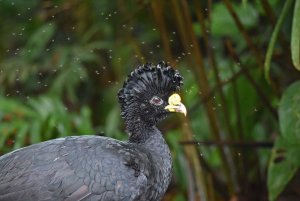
175,104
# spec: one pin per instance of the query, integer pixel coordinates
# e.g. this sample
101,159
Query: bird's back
78,168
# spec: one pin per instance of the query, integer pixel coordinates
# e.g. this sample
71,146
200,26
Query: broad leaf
289,113
285,159
295,38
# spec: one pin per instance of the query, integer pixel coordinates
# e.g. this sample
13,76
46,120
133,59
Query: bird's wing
76,168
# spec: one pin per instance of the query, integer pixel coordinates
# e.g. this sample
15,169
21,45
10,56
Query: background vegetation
62,63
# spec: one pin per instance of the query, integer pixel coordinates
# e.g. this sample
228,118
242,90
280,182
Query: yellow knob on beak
175,104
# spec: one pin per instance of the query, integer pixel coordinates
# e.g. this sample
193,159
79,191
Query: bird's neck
152,140
139,131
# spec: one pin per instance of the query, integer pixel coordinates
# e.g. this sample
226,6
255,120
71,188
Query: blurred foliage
62,63
38,120
295,38
285,160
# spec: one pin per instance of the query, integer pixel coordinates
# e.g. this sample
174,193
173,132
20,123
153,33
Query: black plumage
94,168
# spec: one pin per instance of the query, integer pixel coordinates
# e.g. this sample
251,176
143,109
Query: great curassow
95,168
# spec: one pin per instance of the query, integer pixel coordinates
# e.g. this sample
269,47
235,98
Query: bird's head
150,93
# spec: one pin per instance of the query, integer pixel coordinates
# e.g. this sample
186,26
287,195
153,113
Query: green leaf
295,38
289,113
20,136
39,39
112,122
83,122
222,23
274,37
285,161
6,130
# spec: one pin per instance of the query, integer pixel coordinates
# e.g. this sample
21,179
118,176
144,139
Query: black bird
95,168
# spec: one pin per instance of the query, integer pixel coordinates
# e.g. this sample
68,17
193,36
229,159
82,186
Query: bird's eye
156,100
